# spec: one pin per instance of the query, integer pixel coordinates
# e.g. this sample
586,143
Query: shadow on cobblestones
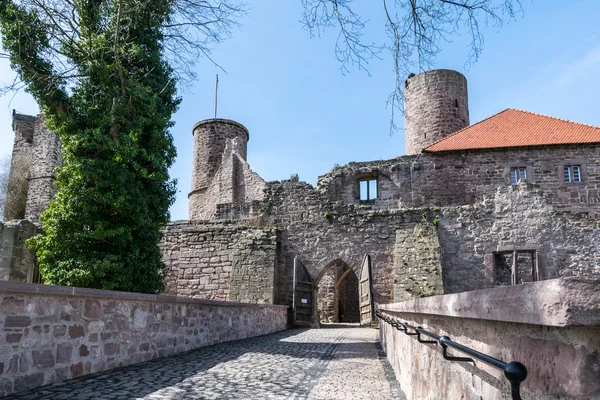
284,365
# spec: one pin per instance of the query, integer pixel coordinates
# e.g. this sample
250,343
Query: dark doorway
349,310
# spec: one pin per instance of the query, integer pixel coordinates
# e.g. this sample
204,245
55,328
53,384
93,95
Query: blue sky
304,115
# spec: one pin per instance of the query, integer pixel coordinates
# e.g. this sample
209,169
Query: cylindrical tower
210,139
436,104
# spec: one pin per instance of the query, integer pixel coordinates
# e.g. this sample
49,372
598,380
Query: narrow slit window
368,190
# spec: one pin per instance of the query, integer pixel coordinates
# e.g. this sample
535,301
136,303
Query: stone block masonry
220,261
17,262
54,333
552,327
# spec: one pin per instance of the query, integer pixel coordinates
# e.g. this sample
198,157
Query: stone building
511,199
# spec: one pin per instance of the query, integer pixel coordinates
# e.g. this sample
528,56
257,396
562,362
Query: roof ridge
467,127
550,116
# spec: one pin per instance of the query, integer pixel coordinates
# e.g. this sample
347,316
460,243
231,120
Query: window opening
368,190
517,173
572,173
516,267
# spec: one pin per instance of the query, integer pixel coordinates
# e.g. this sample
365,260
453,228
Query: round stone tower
436,105
211,136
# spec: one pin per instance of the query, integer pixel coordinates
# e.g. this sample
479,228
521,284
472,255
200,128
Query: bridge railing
514,371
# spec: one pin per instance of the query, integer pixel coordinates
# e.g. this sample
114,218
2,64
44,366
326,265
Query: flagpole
216,93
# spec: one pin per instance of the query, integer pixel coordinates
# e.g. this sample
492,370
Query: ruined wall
516,217
215,141
436,105
552,327
418,267
55,333
234,183
460,178
17,262
47,156
320,232
23,126
220,261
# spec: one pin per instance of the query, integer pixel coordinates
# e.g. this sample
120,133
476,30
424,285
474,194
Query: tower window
517,173
572,173
455,102
368,189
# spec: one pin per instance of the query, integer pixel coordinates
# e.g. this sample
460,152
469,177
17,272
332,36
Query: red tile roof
517,128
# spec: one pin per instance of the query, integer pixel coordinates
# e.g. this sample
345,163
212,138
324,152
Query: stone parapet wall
552,327
220,261
55,333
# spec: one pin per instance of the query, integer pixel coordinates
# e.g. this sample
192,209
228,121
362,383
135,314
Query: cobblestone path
336,362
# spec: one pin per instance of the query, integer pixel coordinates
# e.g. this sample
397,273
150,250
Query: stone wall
321,232
16,197
220,261
17,262
461,178
518,217
47,156
464,177
552,327
215,141
55,333
436,104
418,267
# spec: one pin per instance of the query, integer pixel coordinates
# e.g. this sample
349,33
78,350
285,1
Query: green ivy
103,227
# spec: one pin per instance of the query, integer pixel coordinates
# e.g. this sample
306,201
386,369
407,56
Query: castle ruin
509,200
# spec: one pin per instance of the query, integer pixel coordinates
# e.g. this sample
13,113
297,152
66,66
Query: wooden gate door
303,298
366,292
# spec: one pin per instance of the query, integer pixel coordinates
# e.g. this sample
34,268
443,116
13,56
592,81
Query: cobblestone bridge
337,362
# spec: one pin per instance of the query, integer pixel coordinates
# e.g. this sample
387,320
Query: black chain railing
514,371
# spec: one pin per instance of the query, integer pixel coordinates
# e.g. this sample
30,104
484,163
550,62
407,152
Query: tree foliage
416,30
102,73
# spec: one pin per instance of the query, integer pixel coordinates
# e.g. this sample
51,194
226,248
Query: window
572,173
516,267
517,173
368,190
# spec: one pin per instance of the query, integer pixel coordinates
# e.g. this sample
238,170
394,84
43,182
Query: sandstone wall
418,266
552,327
55,333
46,156
321,232
23,126
460,178
518,217
436,104
17,262
220,261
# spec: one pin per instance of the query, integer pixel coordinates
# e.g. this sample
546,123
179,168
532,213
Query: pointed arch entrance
337,289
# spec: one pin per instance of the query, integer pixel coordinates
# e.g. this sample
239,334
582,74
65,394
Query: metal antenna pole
216,93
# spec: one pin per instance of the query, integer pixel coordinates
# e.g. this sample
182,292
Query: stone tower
436,105
221,173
